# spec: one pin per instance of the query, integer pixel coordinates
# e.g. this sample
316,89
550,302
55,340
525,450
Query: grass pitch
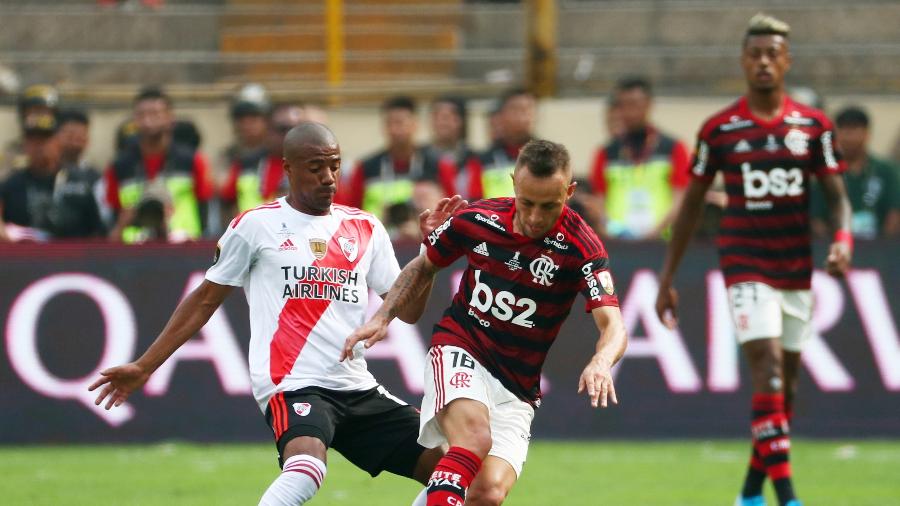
695,473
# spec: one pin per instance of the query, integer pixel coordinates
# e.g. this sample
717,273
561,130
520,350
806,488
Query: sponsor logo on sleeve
702,159
828,150
436,233
217,253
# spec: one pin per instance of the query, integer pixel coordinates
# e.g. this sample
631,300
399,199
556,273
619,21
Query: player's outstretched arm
596,378
410,284
682,230
841,250
189,317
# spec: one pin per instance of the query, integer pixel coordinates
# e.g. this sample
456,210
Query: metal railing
202,70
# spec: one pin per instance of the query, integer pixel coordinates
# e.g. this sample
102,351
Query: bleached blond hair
763,24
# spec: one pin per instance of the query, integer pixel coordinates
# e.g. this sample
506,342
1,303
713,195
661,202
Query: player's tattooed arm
415,290
841,249
596,378
404,299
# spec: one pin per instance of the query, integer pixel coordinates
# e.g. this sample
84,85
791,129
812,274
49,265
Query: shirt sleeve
596,282
892,188
447,176
384,268
824,158
446,243
351,191
598,172
681,165
112,188
704,165
203,186
232,260
228,193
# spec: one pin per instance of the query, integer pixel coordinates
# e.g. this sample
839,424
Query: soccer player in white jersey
306,266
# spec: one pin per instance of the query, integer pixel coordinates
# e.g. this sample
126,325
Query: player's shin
300,479
772,442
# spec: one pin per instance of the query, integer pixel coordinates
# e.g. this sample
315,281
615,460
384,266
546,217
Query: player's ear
571,189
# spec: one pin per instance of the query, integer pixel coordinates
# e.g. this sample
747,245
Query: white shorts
760,311
452,373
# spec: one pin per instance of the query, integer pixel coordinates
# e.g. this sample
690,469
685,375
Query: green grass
695,473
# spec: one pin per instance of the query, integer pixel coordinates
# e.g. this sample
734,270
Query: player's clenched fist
119,382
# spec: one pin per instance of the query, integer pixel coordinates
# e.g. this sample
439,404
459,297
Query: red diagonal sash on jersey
299,316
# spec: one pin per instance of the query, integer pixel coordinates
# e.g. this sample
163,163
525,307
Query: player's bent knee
305,445
489,494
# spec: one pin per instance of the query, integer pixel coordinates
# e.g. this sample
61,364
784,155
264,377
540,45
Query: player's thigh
755,310
511,420
797,309
302,415
492,484
456,393
380,433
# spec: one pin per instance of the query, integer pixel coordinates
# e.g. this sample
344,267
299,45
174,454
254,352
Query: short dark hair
459,104
543,158
404,102
512,93
152,93
73,116
852,116
635,83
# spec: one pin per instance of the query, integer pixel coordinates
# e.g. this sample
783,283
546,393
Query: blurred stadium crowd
161,186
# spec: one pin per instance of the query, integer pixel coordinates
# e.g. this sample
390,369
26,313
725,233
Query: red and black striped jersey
766,165
516,291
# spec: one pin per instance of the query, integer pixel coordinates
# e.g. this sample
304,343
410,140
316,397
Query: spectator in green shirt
872,183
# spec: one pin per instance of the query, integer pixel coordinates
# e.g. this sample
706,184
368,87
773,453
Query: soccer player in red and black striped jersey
528,257
767,147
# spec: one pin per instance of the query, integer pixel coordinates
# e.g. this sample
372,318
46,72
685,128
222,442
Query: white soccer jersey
307,281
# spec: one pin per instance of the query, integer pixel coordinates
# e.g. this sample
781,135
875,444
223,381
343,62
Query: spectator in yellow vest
641,173
390,177
158,188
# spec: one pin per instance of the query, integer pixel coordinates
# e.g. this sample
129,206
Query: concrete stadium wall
575,122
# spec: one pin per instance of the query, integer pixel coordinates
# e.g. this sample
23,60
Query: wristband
843,236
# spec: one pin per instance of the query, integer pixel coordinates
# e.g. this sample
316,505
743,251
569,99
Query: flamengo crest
543,269
797,141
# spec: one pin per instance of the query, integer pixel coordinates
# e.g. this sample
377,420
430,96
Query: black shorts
370,428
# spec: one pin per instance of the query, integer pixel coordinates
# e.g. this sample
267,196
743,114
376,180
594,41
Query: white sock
421,499
300,479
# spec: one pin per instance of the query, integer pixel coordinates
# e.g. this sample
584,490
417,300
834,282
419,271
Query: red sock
452,476
770,437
